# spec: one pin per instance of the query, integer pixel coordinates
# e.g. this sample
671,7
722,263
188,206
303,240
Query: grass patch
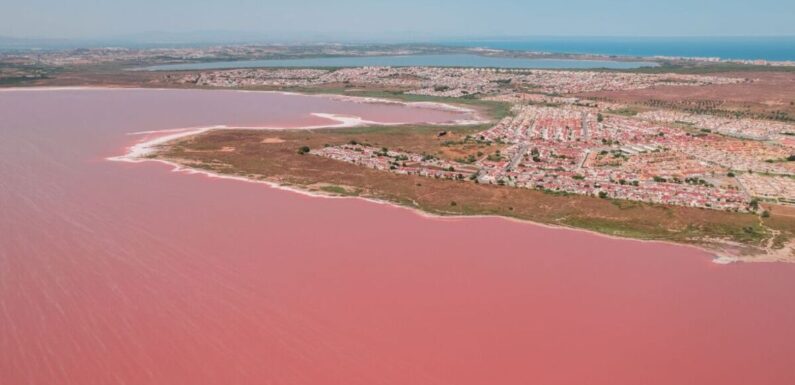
338,190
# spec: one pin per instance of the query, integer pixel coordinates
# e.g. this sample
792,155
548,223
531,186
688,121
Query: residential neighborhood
584,150
452,82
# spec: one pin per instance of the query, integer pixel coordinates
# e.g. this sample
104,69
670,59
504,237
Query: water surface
121,273
749,48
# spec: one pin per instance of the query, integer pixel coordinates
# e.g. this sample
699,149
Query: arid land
694,153
272,156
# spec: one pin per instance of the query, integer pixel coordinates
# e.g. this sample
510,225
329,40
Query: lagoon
115,272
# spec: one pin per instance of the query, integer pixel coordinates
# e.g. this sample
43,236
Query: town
451,82
557,138
584,150
62,54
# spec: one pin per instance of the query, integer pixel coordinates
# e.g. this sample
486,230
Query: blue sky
396,20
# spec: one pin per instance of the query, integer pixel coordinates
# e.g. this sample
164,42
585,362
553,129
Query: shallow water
121,273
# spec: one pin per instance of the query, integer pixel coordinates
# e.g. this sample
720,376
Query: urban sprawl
559,143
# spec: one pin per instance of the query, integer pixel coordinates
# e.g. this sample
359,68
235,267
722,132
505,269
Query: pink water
119,273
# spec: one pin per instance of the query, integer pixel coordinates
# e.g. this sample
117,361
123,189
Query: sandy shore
147,147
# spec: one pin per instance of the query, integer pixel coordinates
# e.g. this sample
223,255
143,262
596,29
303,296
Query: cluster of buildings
567,82
553,140
97,55
253,78
397,161
754,129
738,155
777,188
455,82
570,150
565,144
88,56
573,150
772,63
530,98
103,55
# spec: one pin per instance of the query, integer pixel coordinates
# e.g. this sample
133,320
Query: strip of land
277,157
695,150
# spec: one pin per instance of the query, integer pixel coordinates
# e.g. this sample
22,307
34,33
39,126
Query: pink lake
123,273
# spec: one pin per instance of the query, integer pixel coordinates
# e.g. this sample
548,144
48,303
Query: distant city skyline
409,20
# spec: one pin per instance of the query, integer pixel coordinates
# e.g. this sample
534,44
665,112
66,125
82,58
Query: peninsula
691,151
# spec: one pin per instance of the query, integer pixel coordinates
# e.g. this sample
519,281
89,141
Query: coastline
180,168
271,241
717,256
142,152
142,149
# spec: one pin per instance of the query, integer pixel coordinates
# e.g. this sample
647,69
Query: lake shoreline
148,151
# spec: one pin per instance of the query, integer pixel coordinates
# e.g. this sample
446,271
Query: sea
776,48
780,48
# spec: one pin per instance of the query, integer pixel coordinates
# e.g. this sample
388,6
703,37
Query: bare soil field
769,93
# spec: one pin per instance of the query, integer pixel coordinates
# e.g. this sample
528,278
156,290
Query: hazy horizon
154,39
410,20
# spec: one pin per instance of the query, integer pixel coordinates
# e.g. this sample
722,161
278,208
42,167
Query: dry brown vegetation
280,162
274,156
769,95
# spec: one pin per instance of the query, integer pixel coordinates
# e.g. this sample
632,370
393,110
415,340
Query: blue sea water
746,48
